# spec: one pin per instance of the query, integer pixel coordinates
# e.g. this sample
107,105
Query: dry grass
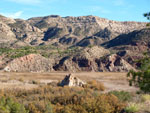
95,85
112,81
98,81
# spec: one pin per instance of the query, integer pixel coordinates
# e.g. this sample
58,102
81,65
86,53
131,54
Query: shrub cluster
44,50
95,85
122,95
7,105
53,99
18,52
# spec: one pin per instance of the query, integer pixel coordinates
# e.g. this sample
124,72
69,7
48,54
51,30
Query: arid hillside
75,44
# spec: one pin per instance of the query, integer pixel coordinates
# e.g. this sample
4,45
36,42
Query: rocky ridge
105,45
83,61
64,30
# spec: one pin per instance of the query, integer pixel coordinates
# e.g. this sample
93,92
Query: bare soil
112,81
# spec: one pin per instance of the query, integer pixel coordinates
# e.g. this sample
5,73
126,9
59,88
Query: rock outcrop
110,63
6,20
56,27
71,80
94,59
83,61
137,41
131,46
114,63
6,35
90,41
30,63
3,61
26,32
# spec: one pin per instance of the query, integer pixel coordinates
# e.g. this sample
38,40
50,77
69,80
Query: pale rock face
65,30
30,63
5,33
6,20
84,61
3,61
56,27
26,32
115,63
7,69
71,80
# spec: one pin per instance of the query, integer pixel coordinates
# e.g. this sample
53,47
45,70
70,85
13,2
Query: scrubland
40,93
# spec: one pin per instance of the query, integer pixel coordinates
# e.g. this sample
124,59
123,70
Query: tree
141,78
147,15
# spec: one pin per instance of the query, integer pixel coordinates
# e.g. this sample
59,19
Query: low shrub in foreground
100,104
95,85
7,105
49,99
132,108
145,97
122,95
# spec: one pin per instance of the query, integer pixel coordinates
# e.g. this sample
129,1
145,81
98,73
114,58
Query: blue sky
120,10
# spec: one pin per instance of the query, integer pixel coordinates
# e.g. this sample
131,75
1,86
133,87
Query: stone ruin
71,80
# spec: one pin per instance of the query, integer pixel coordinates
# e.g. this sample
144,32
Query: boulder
71,80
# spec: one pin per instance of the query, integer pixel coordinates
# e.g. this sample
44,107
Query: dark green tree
141,78
147,15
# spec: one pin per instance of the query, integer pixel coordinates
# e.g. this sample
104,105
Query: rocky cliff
64,30
131,46
85,43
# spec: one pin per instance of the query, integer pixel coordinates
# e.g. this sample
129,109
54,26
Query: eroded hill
86,43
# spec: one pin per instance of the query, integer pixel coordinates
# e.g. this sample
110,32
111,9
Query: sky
119,10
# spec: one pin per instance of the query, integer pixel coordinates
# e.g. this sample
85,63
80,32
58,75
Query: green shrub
147,15
122,95
145,97
17,52
132,108
7,105
49,108
141,78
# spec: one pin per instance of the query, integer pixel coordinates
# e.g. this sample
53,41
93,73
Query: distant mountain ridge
64,30
85,43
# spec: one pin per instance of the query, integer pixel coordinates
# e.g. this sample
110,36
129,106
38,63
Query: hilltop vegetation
44,50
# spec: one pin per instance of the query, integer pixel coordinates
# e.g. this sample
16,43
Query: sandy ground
112,81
